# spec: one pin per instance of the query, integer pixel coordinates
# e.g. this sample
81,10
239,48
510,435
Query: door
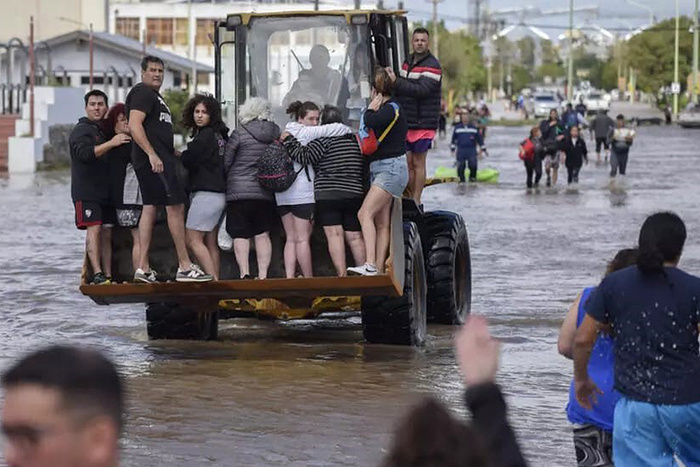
225,73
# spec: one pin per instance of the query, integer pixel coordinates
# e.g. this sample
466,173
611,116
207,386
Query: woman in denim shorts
388,175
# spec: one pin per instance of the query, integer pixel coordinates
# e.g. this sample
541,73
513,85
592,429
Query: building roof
131,47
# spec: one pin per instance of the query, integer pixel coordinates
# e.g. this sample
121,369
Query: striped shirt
339,165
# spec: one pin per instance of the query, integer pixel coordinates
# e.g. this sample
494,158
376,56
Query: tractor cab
323,57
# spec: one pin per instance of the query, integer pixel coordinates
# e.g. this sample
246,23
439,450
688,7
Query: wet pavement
311,393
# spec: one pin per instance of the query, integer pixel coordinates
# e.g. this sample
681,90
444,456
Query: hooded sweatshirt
243,149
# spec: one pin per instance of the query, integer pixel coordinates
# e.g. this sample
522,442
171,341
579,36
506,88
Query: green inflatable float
482,175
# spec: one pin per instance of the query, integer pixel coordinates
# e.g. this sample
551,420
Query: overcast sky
612,14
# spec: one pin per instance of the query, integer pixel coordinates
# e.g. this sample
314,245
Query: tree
651,54
526,47
462,62
552,70
176,100
549,52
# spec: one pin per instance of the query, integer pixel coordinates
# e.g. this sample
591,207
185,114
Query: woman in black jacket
576,153
204,158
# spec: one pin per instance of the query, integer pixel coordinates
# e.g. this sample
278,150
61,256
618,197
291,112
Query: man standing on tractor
419,93
153,157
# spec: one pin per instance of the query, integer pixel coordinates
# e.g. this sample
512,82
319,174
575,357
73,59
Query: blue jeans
391,175
651,435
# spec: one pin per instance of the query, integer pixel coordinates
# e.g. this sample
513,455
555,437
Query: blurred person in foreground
653,313
63,407
430,436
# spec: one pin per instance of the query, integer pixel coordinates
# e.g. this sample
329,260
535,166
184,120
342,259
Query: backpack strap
251,134
393,122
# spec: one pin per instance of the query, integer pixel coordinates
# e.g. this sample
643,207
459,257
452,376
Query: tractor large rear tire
448,265
174,321
400,320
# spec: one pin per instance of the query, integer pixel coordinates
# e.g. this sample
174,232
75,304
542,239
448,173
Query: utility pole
91,56
696,50
32,76
435,27
570,74
675,65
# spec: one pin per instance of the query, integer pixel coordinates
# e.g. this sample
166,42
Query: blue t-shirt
654,321
600,370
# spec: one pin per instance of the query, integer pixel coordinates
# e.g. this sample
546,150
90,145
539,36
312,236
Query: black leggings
533,166
573,173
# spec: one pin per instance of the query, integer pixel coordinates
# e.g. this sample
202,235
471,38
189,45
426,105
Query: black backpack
276,169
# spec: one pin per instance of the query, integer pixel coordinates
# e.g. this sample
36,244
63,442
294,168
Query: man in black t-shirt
153,157
90,184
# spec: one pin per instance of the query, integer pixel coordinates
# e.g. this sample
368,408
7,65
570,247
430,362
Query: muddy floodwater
311,393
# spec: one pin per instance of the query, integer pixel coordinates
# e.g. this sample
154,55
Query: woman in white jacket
296,205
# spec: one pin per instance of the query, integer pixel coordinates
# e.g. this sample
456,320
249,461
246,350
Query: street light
675,88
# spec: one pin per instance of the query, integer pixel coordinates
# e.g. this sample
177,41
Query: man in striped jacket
419,93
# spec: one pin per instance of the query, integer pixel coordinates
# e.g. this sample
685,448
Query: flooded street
311,393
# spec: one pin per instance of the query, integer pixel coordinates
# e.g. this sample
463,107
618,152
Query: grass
504,122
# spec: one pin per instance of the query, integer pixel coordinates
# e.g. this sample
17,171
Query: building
187,28
51,18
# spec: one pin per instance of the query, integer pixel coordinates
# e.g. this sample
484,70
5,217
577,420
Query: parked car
595,101
543,103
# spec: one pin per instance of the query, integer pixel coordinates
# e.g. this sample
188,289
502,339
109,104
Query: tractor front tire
448,264
400,320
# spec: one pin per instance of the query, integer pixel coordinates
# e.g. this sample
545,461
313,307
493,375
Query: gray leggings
618,160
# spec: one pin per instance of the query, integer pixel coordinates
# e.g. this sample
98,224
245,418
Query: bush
176,100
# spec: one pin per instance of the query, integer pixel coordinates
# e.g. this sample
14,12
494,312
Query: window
85,80
202,79
205,27
159,31
177,79
181,31
128,27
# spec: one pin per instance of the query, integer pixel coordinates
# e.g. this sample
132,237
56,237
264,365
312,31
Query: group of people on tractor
317,170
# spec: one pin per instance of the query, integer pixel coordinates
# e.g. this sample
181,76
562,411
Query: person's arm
422,87
565,344
82,143
136,118
585,150
521,150
378,120
230,150
586,335
477,354
453,143
305,155
199,150
310,133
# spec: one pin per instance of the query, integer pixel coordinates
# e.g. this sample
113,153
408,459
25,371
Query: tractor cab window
322,59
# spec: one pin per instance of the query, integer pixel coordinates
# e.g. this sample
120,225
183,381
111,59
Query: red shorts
91,213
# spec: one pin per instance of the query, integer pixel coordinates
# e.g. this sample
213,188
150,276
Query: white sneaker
364,270
146,277
194,274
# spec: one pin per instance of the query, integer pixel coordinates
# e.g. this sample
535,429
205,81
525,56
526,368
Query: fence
12,96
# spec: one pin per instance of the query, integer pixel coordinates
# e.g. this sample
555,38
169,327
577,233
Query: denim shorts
391,175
